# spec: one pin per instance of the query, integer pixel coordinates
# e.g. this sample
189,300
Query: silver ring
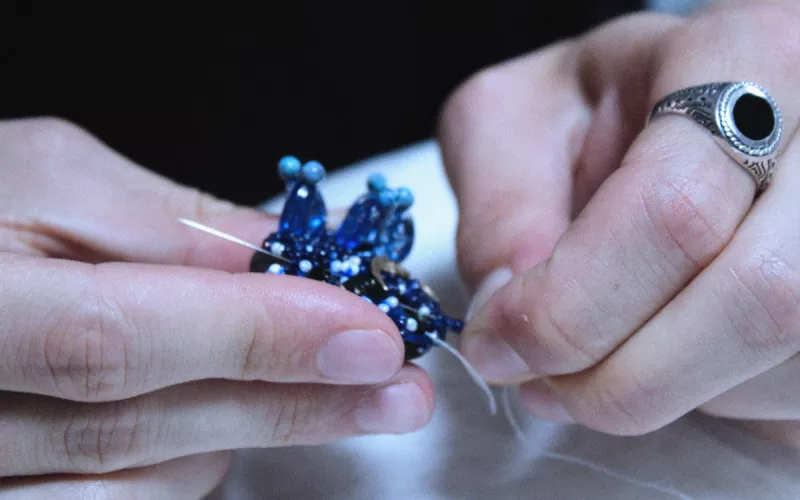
741,116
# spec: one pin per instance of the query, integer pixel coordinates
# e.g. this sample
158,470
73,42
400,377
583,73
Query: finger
648,231
111,331
191,477
524,143
783,432
539,398
737,320
99,206
773,395
201,417
490,147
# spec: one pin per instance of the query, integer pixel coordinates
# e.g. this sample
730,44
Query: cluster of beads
362,255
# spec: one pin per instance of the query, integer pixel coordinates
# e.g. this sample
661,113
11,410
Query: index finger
525,143
66,194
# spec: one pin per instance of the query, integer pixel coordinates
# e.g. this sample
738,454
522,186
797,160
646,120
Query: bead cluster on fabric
362,255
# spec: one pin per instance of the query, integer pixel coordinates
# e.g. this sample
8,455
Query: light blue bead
289,167
405,198
312,172
387,198
376,182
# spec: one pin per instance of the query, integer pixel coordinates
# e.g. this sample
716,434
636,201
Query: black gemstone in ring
754,117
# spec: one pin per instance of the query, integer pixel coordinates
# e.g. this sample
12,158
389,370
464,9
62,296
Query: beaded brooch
363,255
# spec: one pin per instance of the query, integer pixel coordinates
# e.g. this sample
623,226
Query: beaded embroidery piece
363,255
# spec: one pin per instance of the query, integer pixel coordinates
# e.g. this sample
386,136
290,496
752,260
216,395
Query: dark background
214,96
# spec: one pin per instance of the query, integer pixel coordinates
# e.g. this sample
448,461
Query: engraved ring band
741,116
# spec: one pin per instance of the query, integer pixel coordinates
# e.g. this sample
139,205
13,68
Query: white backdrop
675,6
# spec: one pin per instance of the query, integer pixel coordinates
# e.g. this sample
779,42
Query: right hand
128,340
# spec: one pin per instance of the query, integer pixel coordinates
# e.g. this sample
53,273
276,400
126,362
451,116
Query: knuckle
48,136
555,321
687,219
263,355
194,204
620,406
288,425
105,438
251,361
765,305
86,350
560,344
482,91
202,205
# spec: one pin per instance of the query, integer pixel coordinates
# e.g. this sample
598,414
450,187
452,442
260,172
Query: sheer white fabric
466,454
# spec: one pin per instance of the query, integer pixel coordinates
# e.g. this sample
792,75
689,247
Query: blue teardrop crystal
364,222
398,239
304,212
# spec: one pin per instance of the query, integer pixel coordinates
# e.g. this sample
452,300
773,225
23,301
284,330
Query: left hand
646,281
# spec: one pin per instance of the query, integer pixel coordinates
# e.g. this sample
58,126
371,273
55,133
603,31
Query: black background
212,95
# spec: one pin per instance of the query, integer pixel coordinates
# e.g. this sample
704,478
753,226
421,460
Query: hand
128,340
627,278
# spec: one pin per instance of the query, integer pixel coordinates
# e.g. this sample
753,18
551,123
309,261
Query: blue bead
376,182
304,212
405,198
312,172
398,239
387,198
364,222
455,325
289,168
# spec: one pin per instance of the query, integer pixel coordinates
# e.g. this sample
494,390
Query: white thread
512,420
482,385
509,413
226,236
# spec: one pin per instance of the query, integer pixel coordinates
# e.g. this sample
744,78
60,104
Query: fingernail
494,359
360,356
490,284
394,409
542,402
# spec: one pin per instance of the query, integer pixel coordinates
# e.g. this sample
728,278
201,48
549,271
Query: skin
639,266
129,343
638,277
